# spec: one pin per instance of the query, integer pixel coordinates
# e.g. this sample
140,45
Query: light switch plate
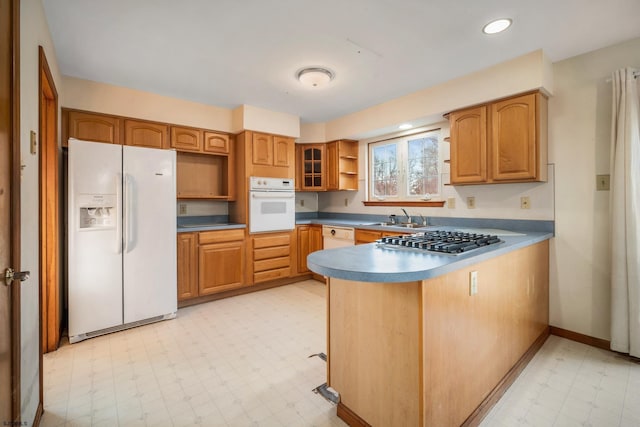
182,209
451,202
602,182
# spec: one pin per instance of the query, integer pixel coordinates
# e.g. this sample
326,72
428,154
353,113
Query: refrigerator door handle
127,212
118,246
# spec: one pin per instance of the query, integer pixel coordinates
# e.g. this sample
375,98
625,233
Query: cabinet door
513,139
313,167
469,146
315,238
146,134
94,127
186,139
303,247
283,151
187,266
216,143
262,149
221,267
332,166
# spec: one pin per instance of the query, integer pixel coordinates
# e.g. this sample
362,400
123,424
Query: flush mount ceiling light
497,26
405,126
315,76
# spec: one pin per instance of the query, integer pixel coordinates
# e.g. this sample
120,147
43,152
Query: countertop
208,227
377,263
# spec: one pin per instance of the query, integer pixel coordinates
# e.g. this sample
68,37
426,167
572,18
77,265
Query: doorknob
10,276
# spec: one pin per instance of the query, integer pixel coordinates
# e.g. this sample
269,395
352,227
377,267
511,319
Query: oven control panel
258,183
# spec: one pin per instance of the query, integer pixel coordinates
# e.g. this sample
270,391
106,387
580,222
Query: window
405,168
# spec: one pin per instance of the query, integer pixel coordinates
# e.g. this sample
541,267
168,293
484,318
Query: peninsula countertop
379,263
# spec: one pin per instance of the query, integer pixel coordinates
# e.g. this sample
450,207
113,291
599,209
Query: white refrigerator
121,237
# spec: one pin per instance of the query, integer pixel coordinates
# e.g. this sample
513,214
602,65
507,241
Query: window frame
402,142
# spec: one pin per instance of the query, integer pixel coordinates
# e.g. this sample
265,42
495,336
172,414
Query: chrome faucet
423,220
407,215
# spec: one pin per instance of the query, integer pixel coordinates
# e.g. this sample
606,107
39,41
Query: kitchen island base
429,353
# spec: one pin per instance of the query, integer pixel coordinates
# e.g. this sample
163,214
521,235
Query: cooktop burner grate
450,242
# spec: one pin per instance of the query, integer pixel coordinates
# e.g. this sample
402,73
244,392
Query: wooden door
262,149
332,166
187,265
513,139
146,134
283,151
10,212
468,149
221,267
49,224
186,139
216,143
93,127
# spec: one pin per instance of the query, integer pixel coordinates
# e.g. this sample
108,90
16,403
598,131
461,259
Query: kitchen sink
404,225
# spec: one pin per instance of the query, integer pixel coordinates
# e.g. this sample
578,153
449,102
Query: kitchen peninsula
421,338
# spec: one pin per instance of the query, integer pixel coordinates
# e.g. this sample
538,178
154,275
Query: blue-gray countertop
379,263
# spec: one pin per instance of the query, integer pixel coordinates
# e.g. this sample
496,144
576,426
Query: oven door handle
274,195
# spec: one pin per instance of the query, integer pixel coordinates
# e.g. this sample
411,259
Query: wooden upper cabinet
92,127
215,143
146,134
283,151
468,149
313,167
503,141
262,149
514,136
186,139
332,175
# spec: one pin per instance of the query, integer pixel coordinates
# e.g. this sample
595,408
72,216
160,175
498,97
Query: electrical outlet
602,182
473,283
471,202
525,203
346,201
301,202
182,209
451,202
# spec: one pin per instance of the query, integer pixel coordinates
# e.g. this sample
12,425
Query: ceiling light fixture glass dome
497,26
315,76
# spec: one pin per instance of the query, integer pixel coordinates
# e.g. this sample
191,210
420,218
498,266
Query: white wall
579,132
34,31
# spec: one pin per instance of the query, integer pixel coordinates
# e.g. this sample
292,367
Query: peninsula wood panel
375,350
484,335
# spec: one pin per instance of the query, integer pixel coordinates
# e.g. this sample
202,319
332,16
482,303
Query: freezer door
149,226
95,241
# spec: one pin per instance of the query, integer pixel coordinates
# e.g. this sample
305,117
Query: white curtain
625,214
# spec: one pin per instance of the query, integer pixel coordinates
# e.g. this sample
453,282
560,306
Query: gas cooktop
450,242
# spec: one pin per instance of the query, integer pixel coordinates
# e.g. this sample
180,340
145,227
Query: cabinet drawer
275,252
264,276
270,241
271,264
367,236
220,236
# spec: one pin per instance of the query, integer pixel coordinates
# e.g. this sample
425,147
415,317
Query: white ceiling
232,52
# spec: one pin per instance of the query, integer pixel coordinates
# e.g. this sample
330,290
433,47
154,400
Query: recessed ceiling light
315,76
497,26
405,126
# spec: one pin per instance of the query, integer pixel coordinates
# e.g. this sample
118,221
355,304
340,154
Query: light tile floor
243,361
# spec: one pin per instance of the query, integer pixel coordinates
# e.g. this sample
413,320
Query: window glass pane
422,163
385,171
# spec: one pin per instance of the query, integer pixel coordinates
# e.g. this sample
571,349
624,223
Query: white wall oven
271,204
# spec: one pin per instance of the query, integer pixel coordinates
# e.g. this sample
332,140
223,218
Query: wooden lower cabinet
309,240
271,256
210,262
187,265
363,236
221,267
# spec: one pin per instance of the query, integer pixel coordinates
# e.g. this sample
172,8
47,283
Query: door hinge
10,276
